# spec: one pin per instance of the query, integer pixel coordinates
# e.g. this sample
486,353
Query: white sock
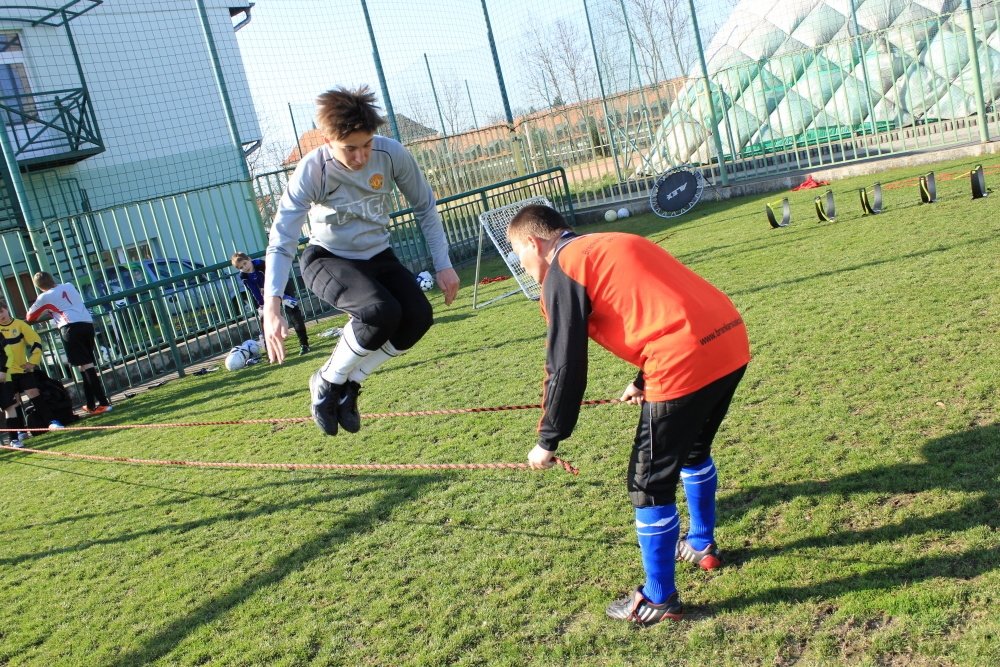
373,361
345,357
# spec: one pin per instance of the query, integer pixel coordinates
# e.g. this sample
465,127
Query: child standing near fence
76,327
252,275
23,352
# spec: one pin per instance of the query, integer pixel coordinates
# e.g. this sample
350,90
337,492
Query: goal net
495,223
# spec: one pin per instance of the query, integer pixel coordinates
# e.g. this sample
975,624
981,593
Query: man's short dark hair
342,112
543,222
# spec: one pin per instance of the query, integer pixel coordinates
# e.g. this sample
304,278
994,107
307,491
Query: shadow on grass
452,317
262,509
469,350
967,462
392,490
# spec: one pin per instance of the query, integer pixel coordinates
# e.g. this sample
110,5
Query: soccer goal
494,223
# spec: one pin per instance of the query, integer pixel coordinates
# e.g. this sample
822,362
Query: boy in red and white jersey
76,326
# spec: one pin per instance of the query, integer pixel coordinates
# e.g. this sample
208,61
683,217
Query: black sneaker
707,559
347,412
640,610
324,400
305,349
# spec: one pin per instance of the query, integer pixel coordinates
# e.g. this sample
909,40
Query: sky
295,49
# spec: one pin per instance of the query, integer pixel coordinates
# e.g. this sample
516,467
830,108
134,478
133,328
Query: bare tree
572,55
651,32
454,105
419,107
680,31
274,149
613,56
542,67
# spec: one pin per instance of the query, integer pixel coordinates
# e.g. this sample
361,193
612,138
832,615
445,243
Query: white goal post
495,222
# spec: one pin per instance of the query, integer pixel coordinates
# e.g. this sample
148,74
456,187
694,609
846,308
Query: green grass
859,483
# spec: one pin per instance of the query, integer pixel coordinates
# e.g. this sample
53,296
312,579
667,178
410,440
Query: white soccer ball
425,281
623,212
237,359
610,216
252,348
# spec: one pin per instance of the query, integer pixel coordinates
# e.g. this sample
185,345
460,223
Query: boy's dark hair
342,112
542,222
238,257
3,305
44,280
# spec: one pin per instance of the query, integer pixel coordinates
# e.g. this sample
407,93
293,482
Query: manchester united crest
375,182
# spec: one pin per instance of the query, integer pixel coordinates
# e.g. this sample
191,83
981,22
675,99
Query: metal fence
619,91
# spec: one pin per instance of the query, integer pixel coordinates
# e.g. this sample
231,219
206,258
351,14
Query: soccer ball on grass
237,358
425,281
247,353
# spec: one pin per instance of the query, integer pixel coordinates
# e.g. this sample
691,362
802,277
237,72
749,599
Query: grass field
859,482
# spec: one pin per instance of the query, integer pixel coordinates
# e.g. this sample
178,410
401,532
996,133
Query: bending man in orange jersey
690,344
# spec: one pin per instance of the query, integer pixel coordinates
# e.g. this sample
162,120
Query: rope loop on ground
296,466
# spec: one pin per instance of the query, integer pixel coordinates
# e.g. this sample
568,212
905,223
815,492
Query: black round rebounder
676,191
928,188
979,189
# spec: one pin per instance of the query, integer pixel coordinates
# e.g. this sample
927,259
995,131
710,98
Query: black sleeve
568,307
640,381
3,357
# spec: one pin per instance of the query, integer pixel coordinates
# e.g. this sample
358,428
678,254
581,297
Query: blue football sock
658,529
700,483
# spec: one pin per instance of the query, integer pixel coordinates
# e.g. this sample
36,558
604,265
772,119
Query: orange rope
287,420
295,466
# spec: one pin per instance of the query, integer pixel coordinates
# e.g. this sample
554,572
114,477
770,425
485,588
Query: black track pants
676,434
379,293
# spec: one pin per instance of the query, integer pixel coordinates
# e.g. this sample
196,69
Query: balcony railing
51,128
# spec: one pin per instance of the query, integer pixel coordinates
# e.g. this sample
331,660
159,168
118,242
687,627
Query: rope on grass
295,466
293,420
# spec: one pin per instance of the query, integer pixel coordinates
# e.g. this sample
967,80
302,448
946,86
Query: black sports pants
294,317
379,293
676,434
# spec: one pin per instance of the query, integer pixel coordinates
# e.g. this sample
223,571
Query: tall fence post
456,186
517,146
381,76
295,130
167,330
864,67
234,131
18,198
471,105
708,92
604,98
977,78
220,82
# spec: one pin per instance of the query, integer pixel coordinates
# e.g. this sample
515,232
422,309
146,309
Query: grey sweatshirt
348,210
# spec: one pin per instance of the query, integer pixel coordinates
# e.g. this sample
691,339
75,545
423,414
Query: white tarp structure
788,73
